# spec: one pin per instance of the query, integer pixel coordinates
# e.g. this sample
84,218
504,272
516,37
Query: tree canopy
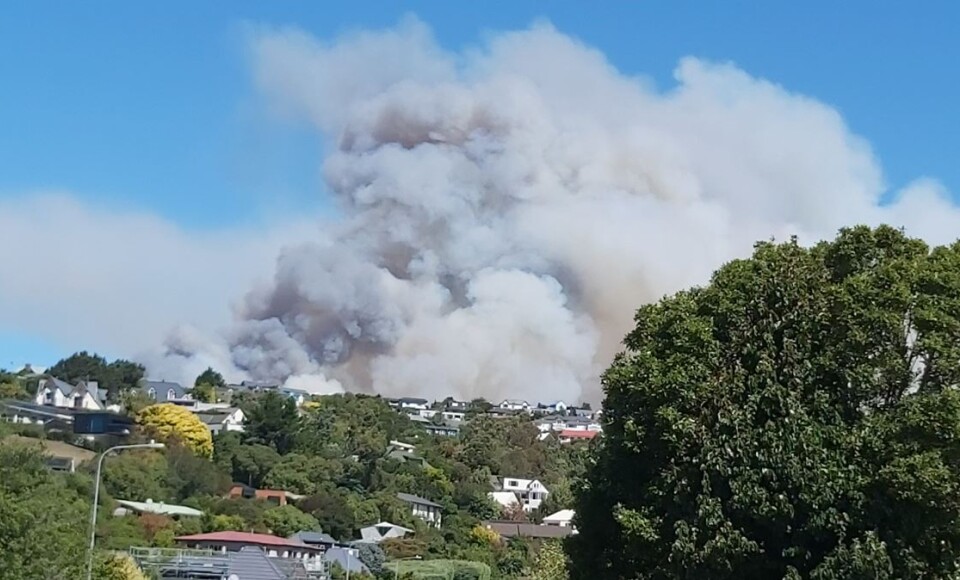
116,377
798,417
167,421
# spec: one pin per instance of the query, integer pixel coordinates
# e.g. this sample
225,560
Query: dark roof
410,498
514,530
253,564
339,555
313,538
162,388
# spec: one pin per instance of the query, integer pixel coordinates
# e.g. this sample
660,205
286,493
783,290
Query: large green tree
273,421
116,377
43,521
798,417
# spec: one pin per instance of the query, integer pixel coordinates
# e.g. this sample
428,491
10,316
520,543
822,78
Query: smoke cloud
505,209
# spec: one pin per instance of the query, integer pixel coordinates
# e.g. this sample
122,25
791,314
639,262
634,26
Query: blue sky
151,106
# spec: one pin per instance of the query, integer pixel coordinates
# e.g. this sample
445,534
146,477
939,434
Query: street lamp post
96,495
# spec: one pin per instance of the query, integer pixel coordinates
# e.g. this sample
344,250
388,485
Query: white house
220,420
408,403
87,395
454,415
383,531
556,407
424,509
563,518
530,492
514,405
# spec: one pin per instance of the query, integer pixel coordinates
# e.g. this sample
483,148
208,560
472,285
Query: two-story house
219,420
529,493
166,392
514,405
424,509
87,395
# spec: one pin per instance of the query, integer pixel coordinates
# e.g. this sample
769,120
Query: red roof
242,538
578,434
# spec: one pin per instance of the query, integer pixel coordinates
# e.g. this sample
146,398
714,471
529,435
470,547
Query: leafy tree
372,557
116,377
797,418
12,389
550,562
167,421
273,421
286,520
212,378
117,567
303,474
205,393
38,510
252,463
137,475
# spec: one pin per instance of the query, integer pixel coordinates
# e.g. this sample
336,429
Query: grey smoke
505,209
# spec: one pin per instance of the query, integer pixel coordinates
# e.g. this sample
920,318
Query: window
511,483
78,401
171,394
49,397
152,393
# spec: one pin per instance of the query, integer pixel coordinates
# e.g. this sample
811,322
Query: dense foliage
115,377
797,418
175,424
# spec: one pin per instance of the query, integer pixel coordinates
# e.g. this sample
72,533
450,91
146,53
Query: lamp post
96,495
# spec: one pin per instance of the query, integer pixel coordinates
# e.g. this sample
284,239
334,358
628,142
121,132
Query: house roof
152,507
412,400
514,529
578,434
504,498
162,387
64,387
252,563
343,557
216,416
312,538
514,402
243,538
410,498
560,516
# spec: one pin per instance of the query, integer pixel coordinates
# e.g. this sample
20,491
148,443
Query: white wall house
408,403
221,420
454,415
56,393
514,405
422,508
530,492
563,518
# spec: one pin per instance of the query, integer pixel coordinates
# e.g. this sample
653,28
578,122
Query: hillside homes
87,395
528,493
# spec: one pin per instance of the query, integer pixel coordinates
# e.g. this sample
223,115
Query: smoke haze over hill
505,209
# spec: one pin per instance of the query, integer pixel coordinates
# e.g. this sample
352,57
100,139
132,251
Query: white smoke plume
505,209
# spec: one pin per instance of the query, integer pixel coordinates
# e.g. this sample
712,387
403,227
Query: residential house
322,541
424,509
514,405
299,396
404,452
407,403
571,435
52,418
223,420
504,499
250,562
453,415
311,557
521,530
53,392
500,413
562,518
554,408
274,496
451,404
383,531
529,492
151,507
163,391
443,430
347,558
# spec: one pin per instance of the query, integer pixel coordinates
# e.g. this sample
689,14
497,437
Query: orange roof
578,434
242,538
